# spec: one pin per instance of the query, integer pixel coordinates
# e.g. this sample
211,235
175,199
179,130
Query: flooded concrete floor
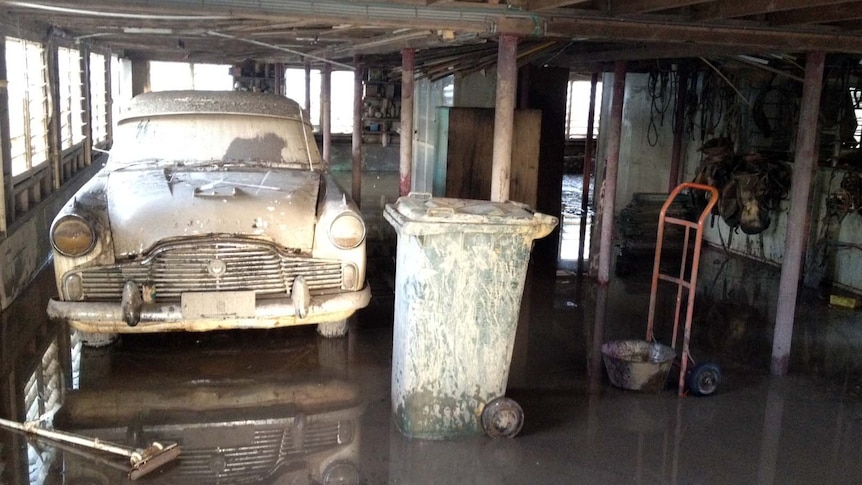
288,407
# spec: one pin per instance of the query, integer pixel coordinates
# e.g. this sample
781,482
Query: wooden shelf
381,97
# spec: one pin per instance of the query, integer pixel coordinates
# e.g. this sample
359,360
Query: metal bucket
638,365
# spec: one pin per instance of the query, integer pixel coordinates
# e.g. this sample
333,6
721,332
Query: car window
206,137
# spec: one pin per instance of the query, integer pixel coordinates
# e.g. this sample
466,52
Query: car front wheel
335,329
96,340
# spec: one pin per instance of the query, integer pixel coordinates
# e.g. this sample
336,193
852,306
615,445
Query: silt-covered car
214,211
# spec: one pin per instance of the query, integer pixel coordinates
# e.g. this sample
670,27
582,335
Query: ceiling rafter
648,51
539,5
817,15
340,28
739,36
726,9
629,7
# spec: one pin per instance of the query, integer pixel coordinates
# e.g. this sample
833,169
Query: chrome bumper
134,316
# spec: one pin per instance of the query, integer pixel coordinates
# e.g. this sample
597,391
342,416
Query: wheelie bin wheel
502,418
704,379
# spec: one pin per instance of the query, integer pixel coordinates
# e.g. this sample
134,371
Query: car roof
212,102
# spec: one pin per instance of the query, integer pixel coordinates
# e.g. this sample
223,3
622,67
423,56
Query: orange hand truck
703,379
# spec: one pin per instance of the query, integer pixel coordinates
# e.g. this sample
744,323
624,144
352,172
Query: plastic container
461,266
638,365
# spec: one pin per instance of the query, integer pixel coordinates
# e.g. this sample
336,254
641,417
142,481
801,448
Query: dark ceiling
575,33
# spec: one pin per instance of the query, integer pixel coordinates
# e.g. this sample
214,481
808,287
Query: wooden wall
470,149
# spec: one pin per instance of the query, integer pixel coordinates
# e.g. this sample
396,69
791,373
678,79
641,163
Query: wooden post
55,137
408,66
504,116
588,162
87,112
279,78
356,173
611,172
140,76
308,88
7,199
326,109
804,164
679,129
109,101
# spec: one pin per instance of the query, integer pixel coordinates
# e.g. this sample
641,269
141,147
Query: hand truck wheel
704,379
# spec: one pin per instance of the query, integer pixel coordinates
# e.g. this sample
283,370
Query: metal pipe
611,172
804,164
356,145
588,161
504,117
326,110
408,66
258,43
679,129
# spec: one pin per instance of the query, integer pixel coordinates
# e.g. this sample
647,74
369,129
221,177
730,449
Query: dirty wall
645,154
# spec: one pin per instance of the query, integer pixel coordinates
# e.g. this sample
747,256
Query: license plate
221,304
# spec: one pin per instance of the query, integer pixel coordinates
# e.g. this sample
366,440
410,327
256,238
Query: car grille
256,460
178,268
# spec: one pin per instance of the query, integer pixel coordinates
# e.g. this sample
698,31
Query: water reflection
572,219
257,407
286,407
230,432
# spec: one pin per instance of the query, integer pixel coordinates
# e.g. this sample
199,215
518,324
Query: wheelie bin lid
422,214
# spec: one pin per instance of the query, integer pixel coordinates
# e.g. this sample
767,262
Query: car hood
146,207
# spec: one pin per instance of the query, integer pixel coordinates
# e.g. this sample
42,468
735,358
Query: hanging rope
660,101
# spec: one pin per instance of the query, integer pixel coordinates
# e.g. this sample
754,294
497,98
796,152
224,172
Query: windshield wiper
116,167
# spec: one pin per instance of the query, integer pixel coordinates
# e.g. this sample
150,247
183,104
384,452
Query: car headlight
73,236
341,473
347,231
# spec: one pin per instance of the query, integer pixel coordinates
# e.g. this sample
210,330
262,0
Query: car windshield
204,138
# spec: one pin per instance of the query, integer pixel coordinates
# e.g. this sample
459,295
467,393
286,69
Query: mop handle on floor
142,461
32,427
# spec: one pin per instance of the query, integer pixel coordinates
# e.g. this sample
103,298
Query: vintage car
213,211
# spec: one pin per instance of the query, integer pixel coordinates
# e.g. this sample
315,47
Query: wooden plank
524,184
547,92
468,167
470,147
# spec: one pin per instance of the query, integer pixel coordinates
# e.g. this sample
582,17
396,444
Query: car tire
335,329
97,340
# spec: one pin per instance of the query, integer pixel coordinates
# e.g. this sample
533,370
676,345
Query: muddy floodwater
289,407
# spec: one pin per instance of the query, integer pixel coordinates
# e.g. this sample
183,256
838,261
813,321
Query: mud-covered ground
288,407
